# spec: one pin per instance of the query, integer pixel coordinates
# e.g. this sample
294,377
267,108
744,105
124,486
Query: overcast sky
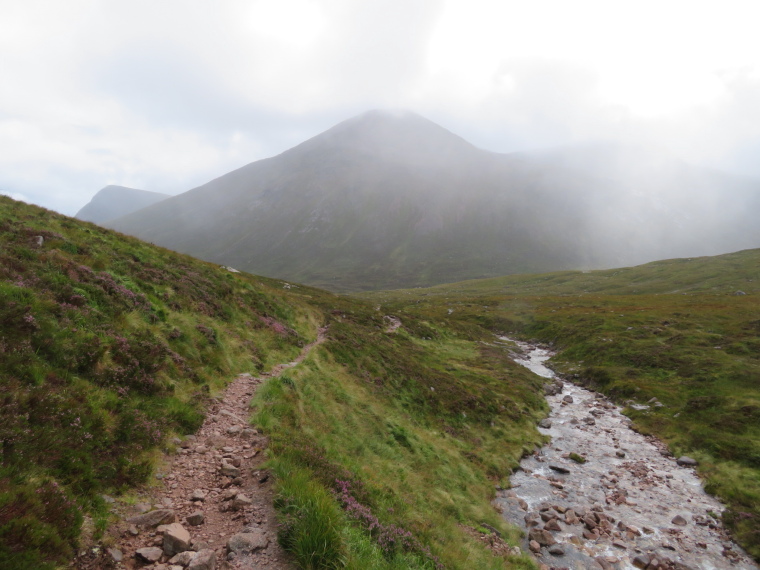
166,95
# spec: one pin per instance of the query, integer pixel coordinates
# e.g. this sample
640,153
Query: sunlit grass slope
684,331
107,346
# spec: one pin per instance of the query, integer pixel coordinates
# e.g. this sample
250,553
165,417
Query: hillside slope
387,200
114,202
385,446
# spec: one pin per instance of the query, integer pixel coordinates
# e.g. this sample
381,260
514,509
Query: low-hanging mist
390,199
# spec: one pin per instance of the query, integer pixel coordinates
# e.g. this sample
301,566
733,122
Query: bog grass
686,332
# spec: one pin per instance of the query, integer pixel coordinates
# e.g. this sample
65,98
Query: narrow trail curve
215,478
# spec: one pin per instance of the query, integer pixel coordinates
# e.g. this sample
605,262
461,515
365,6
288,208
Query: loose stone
195,518
149,554
686,461
247,542
204,560
176,539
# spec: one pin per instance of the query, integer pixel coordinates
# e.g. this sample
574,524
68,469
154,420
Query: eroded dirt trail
214,507
630,505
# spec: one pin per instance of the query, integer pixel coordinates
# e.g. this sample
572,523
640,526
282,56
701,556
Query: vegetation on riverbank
686,332
408,431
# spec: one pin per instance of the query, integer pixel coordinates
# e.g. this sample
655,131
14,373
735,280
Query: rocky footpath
213,506
601,495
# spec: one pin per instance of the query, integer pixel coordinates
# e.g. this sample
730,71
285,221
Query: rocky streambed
601,495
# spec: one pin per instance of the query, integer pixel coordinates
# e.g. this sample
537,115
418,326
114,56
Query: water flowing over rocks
601,495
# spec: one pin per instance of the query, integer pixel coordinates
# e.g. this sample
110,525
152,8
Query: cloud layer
165,96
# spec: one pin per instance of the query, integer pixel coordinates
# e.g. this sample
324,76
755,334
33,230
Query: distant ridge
113,202
390,200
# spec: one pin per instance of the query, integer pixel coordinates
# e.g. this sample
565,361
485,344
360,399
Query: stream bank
601,495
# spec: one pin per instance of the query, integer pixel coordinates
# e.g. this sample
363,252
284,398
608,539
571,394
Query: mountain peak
115,201
391,133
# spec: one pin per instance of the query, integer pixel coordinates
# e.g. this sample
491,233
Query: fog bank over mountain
390,199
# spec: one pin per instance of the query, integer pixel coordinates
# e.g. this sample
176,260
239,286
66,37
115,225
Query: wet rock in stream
630,505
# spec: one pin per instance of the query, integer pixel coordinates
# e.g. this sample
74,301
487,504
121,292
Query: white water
644,489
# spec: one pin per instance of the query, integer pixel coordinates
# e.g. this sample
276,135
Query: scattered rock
568,399
183,558
176,539
541,536
229,470
204,560
116,554
248,433
685,461
247,542
546,423
198,495
534,546
553,525
556,550
559,469
149,554
196,518
188,442
602,561
240,502
679,520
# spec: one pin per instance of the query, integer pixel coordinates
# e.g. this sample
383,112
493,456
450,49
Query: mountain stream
630,505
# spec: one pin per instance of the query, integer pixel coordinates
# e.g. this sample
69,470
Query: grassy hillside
386,446
684,331
108,346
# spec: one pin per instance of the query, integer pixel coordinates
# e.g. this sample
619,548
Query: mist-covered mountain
387,200
113,202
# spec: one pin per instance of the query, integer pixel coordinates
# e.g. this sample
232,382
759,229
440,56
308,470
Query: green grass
674,330
407,436
382,445
108,346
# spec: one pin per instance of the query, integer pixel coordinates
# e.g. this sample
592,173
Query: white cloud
165,96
